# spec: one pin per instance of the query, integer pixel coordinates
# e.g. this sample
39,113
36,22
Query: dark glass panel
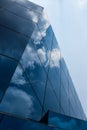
20,99
30,5
4,3
7,68
23,3
14,123
11,43
51,102
16,23
65,122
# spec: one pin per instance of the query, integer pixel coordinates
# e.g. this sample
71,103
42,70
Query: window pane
16,23
34,69
14,123
51,102
20,99
65,122
11,43
7,68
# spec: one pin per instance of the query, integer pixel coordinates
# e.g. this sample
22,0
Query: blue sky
69,21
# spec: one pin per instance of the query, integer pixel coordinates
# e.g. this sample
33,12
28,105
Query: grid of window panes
33,75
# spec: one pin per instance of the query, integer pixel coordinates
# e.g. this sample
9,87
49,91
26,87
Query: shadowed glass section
66,123
20,99
15,30
51,101
7,68
16,23
14,123
11,43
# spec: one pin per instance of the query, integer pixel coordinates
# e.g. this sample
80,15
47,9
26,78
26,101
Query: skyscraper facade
34,78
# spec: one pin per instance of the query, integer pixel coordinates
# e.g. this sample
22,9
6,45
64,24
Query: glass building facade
34,78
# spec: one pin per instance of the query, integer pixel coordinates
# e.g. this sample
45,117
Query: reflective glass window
64,82
51,101
32,62
64,101
65,122
11,43
20,99
16,23
14,123
7,68
53,72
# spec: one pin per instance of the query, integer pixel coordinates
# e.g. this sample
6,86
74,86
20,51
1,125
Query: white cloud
17,77
36,36
42,54
30,56
55,58
34,15
17,102
41,26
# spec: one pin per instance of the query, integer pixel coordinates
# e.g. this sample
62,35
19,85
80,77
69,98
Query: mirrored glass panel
64,102
15,123
66,123
20,98
64,82
47,37
16,23
51,101
33,67
53,72
11,43
7,68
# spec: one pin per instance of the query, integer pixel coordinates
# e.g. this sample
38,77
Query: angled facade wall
33,74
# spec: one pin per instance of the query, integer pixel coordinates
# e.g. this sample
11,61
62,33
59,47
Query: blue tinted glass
64,82
64,101
55,43
11,43
14,123
63,66
4,2
20,99
54,72
16,23
65,122
7,68
51,102
47,38
33,67
23,3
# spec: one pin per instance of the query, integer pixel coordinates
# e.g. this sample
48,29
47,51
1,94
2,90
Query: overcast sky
69,21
